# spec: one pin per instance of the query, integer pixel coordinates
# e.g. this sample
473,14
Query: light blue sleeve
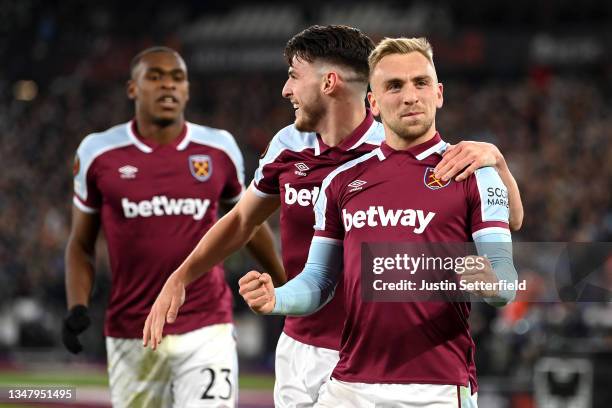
497,247
315,285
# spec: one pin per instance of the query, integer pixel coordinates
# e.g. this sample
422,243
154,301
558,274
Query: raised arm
229,234
303,295
262,249
464,158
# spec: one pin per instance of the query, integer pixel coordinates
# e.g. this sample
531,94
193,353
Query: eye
153,76
394,86
421,83
179,76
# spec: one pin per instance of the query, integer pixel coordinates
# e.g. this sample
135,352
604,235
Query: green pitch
94,379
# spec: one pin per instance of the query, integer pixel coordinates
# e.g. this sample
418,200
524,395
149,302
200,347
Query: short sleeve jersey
393,196
293,166
155,203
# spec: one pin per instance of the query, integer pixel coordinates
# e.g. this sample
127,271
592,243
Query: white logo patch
356,185
128,172
301,169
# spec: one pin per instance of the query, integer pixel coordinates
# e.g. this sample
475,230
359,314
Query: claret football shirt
293,167
155,203
393,196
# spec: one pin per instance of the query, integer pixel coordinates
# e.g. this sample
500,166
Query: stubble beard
413,132
310,117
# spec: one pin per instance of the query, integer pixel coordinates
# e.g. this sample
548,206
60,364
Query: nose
167,82
286,92
410,95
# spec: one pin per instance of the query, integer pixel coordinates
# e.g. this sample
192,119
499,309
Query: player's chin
167,116
303,125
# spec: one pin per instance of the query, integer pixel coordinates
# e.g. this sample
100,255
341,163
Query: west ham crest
200,166
432,182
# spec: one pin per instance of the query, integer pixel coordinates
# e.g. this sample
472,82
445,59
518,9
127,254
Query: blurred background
533,77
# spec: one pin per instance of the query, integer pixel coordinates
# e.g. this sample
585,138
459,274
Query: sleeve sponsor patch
493,195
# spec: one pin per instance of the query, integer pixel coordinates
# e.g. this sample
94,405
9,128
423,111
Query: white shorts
300,371
342,394
194,369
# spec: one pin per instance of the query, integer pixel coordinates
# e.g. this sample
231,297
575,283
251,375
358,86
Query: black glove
76,322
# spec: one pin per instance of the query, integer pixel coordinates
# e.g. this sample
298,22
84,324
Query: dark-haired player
398,354
155,185
327,85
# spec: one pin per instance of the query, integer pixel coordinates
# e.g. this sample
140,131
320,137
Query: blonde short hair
390,46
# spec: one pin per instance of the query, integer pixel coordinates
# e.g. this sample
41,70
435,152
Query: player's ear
330,80
130,89
373,104
439,95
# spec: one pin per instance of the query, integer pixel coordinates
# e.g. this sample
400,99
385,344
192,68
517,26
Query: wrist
180,276
500,163
78,309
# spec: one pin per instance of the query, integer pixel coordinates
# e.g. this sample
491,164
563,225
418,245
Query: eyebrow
162,71
413,79
422,77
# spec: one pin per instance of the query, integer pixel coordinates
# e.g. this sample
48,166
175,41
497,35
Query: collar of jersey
147,146
421,151
352,141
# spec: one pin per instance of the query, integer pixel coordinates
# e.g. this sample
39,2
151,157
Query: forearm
79,274
229,234
315,285
262,248
514,195
498,250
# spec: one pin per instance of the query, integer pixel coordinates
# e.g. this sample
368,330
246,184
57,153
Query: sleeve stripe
490,230
288,138
78,204
326,240
260,193
94,145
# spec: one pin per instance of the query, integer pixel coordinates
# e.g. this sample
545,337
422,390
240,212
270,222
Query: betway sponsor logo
376,216
160,206
303,197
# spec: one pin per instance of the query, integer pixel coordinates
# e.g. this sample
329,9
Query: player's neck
158,133
342,119
398,143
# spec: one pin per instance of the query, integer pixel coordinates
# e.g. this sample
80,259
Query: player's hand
463,159
258,292
165,309
479,269
76,322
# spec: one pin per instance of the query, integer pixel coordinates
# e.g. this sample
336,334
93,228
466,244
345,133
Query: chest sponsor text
160,206
303,196
379,216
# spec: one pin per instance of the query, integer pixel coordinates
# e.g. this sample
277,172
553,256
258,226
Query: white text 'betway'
162,205
376,216
303,196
